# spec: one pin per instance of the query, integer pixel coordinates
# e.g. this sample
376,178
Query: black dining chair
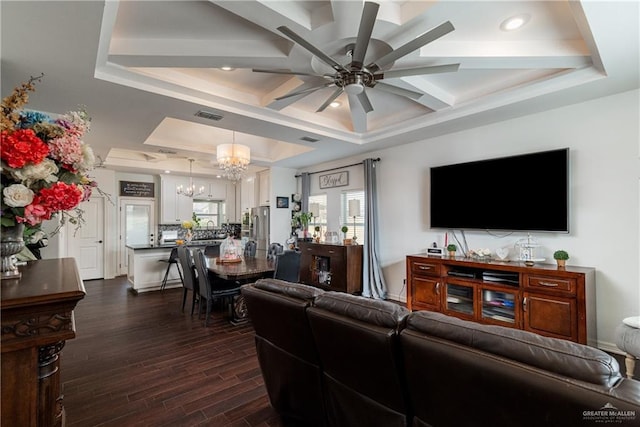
189,278
274,249
250,249
172,260
210,289
287,266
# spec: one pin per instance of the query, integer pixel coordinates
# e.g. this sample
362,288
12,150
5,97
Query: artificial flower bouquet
44,164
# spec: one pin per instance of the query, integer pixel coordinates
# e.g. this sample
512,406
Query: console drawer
551,284
425,268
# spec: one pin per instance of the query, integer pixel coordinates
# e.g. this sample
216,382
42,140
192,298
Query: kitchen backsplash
202,233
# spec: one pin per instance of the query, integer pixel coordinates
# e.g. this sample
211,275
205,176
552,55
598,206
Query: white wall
283,184
603,138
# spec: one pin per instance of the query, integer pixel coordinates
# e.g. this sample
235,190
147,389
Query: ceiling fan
354,77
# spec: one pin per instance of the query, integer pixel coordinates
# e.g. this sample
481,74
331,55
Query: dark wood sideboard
331,267
546,299
37,319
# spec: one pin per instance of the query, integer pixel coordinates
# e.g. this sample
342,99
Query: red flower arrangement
44,164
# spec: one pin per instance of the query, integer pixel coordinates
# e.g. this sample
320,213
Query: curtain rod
339,167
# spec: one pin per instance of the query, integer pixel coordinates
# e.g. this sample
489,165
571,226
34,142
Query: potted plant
344,230
561,257
452,249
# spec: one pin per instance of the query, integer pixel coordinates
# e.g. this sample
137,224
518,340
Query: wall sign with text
136,189
338,179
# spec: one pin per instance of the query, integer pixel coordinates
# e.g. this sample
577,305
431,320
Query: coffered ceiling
144,69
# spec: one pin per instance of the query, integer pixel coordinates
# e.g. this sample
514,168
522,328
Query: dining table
246,270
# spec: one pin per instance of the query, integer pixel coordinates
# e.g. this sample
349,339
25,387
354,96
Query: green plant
344,230
452,248
561,255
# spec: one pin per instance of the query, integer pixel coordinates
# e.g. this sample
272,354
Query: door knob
99,241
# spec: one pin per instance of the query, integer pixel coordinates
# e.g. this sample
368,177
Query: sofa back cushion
550,354
357,339
285,348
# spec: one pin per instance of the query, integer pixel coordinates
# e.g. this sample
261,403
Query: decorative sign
136,189
339,179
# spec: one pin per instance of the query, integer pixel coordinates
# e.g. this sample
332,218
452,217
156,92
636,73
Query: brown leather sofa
379,365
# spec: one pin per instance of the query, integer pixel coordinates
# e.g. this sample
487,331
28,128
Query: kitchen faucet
212,224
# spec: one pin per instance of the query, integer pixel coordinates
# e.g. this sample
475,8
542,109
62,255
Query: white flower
45,170
17,196
88,159
37,236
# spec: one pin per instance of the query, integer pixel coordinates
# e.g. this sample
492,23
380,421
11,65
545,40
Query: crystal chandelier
233,159
190,191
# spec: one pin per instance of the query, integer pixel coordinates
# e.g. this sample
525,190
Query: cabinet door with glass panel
460,299
500,306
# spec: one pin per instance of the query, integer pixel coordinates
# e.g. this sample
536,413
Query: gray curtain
373,285
305,184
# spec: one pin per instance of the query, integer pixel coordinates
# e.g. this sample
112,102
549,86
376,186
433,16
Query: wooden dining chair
189,276
210,288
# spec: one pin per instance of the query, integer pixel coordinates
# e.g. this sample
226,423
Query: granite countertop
194,243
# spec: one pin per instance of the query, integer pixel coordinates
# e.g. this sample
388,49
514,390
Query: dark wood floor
138,361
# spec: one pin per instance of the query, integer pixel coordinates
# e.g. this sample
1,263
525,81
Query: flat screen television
527,192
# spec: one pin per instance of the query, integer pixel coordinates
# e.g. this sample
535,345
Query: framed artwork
282,202
339,179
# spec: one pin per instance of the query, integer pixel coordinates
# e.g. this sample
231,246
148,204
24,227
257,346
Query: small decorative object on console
561,257
451,248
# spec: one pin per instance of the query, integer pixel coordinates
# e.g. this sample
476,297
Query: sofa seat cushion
559,356
372,311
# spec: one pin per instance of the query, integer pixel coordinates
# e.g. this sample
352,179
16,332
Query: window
347,220
321,220
210,213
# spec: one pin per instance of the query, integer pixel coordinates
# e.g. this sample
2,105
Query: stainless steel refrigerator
259,230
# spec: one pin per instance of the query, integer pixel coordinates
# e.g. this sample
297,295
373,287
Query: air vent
309,139
209,115
165,151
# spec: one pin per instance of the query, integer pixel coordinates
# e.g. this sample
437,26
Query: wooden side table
37,319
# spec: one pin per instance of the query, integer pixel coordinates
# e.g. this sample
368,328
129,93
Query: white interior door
86,244
137,226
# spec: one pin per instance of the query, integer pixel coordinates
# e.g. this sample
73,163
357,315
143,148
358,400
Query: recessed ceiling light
515,22
167,171
335,104
227,68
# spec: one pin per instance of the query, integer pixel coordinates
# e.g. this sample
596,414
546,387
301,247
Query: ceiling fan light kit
354,78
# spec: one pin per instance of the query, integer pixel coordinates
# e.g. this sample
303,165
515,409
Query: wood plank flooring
138,361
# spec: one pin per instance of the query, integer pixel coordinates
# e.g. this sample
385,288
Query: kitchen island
145,269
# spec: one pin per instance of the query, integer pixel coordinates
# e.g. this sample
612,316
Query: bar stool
172,260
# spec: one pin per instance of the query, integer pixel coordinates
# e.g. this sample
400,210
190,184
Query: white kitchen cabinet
247,193
213,189
264,188
174,207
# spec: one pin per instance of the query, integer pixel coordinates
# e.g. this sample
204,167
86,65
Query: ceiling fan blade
329,100
447,68
288,72
358,115
399,91
368,19
414,44
364,101
304,92
311,48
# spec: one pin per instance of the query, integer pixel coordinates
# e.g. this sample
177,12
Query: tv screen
528,192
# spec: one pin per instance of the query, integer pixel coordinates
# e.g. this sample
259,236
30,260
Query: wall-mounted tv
527,192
